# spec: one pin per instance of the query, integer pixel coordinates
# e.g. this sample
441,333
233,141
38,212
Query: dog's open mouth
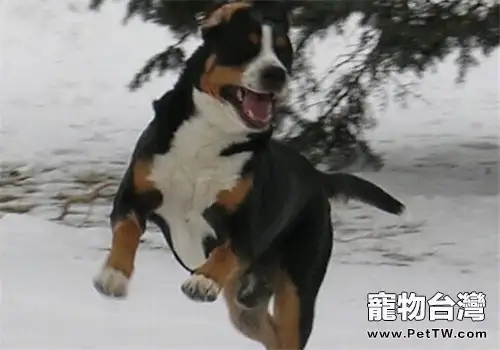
255,109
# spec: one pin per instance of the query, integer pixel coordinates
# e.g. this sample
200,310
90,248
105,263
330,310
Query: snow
48,300
66,113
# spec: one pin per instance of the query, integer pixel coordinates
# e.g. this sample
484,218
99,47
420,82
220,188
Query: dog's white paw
111,282
201,288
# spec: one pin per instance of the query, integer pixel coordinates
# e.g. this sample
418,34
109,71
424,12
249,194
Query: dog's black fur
284,222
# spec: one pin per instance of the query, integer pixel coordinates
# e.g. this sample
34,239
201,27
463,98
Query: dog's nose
273,78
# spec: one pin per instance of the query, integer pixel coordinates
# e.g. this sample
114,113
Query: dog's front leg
207,281
135,198
114,276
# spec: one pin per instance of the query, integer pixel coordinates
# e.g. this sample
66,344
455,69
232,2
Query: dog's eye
281,42
284,51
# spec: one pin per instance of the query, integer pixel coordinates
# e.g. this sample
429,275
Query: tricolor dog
241,211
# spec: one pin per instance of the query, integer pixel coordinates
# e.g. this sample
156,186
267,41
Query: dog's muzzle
273,79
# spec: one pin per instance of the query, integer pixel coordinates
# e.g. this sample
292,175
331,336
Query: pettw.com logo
384,306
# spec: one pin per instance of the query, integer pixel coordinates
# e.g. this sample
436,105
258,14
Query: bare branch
87,198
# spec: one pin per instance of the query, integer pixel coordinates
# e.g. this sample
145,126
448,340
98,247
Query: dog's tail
341,185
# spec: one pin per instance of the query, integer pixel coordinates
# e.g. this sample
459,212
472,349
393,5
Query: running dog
241,211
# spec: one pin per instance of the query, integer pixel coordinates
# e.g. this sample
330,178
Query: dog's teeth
251,115
239,94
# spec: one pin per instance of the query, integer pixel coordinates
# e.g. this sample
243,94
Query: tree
396,37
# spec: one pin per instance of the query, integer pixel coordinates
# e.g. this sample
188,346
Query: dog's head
248,63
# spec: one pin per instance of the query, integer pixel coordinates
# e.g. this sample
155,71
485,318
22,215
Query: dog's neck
200,138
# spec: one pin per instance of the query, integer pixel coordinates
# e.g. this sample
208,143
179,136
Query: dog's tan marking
126,236
224,13
216,76
211,60
287,313
254,38
140,174
231,199
220,264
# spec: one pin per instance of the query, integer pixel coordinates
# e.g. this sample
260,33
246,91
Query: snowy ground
68,122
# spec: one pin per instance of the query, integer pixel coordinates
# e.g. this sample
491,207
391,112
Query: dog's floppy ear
209,30
218,17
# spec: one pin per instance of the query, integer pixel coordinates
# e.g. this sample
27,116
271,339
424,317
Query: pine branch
172,58
397,37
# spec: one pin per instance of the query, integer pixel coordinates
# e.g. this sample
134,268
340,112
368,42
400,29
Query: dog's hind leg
255,323
303,265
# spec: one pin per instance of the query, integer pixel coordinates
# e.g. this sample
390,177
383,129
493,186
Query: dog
241,211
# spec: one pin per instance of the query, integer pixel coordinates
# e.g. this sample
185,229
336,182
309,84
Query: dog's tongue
257,106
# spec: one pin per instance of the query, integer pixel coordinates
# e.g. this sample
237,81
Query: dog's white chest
189,177
193,184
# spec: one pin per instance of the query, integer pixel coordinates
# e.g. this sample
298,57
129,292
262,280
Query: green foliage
396,37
